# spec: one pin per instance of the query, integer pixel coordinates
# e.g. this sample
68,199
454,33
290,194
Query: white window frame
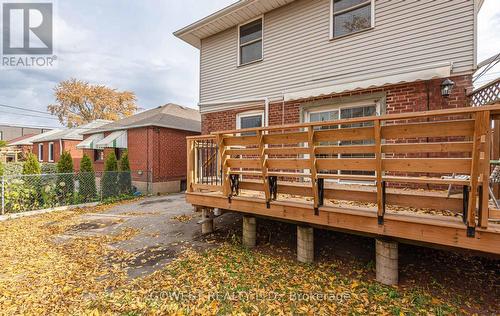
339,107
40,152
51,152
239,116
372,14
261,17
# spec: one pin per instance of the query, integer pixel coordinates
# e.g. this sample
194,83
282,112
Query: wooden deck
304,173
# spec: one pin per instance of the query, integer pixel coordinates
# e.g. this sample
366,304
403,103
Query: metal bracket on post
465,203
234,182
273,187
384,200
321,194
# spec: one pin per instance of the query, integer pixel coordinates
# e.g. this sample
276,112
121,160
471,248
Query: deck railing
421,148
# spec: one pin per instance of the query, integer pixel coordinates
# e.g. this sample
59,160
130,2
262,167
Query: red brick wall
408,97
67,145
156,149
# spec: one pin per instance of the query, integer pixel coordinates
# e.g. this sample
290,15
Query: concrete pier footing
386,261
249,231
305,244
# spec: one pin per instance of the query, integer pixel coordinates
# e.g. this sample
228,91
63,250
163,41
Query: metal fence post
3,195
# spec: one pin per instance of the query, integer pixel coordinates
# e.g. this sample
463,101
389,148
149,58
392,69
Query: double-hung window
351,16
51,152
250,42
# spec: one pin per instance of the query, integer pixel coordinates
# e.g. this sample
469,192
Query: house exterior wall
8,133
298,50
410,97
67,145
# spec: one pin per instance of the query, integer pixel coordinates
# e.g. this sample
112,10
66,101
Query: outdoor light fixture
446,87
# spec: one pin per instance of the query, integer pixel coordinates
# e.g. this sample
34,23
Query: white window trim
40,153
332,37
238,52
248,114
339,107
51,152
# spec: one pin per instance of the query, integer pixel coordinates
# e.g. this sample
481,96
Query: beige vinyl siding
298,50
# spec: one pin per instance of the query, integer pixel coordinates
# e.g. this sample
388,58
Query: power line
490,65
23,109
31,115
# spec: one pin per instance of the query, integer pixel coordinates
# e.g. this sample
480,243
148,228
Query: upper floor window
350,16
250,42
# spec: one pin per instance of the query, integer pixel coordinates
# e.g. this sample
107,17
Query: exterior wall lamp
446,87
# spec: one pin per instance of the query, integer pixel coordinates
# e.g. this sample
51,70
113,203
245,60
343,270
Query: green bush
109,180
87,188
65,178
31,165
13,168
124,177
48,168
1,169
21,196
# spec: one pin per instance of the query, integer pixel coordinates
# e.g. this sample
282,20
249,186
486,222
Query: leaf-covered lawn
42,273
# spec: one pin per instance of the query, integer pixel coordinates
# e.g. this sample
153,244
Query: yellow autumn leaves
44,270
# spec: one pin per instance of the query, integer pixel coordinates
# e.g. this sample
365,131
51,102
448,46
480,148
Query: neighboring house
49,146
24,144
271,62
156,145
11,132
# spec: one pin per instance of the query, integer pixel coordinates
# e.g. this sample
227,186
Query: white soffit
91,141
402,76
116,139
226,18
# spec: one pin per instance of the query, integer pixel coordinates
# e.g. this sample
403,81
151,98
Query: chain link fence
21,193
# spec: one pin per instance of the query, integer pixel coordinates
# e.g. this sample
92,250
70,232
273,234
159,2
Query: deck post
386,261
305,244
249,231
207,224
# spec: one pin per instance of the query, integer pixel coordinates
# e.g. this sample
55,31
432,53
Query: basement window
249,119
351,16
250,42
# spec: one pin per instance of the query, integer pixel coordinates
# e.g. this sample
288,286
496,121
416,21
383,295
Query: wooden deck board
439,230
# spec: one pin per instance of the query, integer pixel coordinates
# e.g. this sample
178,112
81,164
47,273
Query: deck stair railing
397,149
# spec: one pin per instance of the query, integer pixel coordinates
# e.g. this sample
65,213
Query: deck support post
249,231
305,244
386,261
207,221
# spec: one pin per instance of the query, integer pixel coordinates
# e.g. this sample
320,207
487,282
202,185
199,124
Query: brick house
49,146
156,145
272,62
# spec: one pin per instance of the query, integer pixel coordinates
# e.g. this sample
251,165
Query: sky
129,45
